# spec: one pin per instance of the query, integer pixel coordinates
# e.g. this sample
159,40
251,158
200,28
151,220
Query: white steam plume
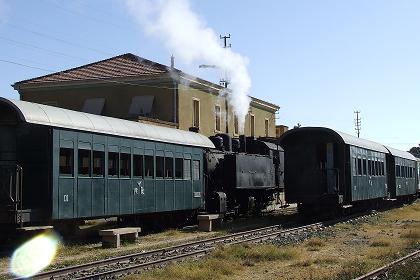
186,35
4,10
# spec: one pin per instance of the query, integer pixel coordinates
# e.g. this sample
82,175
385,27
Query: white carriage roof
362,143
58,117
401,154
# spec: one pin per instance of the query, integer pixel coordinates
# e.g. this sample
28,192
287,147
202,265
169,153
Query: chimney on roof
172,61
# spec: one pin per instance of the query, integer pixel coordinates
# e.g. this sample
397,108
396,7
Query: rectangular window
84,162
369,167
137,166
187,169
359,166
235,124
376,168
148,167
125,165
196,113
383,168
169,167
266,127
252,124
196,170
354,166
217,120
160,163
397,171
364,166
66,161
98,164
112,164
179,168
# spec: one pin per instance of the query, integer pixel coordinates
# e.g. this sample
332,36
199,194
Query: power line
24,65
39,48
57,39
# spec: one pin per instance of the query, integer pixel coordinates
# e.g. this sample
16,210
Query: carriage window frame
125,165
69,155
159,167
149,167
196,176
138,166
82,170
169,171
364,167
397,171
359,166
179,168
101,158
113,157
187,170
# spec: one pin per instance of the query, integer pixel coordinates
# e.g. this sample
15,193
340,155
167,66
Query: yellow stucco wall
207,114
118,98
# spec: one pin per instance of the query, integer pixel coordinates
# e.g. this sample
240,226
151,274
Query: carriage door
66,180
331,171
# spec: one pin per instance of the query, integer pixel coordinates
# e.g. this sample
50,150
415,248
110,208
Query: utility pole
358,123
224,81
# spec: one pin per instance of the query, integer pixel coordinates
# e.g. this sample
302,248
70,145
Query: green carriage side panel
84,182
55,172
188,183
180,182
365,183
159,180
66,189
149,182
169,181
98,181
139,196
126,189
113,182
197,177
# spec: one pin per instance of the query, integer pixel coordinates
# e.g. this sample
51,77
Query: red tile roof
126,65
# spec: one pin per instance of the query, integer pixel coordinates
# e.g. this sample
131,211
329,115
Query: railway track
127,264
138,261
377,273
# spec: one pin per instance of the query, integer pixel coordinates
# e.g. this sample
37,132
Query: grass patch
303,263
315,244
256,253
326,261
412,234
380,243
352,269
222,263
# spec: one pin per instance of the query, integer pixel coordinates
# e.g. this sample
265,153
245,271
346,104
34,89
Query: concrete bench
111,238
205,222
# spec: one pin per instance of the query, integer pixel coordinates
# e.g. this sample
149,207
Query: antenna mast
358,123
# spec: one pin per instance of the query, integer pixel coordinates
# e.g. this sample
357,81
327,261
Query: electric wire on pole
358,123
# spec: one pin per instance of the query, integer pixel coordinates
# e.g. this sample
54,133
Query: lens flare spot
34,255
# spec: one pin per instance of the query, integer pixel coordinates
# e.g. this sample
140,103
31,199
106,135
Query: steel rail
199,252
377,272
67,270
197,247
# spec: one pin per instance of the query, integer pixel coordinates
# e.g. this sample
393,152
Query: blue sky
318,60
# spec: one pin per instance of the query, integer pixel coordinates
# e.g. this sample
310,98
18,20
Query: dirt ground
77,252
343,252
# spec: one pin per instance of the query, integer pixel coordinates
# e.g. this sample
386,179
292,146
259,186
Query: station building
134,88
